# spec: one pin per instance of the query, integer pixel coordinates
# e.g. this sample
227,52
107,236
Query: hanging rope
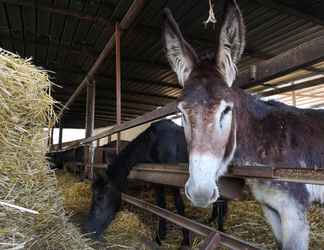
211,18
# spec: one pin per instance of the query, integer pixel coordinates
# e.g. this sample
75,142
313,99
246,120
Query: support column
60,139
89,127
293,96
52,136
118,84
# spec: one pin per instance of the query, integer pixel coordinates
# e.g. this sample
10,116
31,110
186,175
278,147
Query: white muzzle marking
201,188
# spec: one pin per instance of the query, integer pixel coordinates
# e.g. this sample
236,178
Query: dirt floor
134,228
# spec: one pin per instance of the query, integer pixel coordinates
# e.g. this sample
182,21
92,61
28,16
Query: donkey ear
181,56
231,42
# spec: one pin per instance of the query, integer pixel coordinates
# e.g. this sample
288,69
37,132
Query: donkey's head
207,103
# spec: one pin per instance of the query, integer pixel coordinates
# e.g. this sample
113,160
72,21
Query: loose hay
77,194
25,181
127,231
134,228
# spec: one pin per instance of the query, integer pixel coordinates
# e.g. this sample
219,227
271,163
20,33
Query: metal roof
67,36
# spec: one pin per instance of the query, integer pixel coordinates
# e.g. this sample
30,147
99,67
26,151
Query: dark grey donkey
163,142
224,124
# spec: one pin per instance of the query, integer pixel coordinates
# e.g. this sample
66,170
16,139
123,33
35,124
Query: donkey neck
275,133
135,152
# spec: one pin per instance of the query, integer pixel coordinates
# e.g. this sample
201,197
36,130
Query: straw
31,212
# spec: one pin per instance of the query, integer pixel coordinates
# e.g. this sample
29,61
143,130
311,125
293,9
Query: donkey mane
275,133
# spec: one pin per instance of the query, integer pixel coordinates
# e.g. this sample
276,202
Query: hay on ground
133,228
25,181
127,231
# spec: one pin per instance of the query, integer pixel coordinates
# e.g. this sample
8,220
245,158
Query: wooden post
293,96
118,84
52,136
89,127
60,139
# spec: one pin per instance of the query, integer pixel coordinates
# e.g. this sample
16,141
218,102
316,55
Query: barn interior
75,41
66,38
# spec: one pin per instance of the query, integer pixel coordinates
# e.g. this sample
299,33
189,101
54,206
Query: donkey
162,142
223,124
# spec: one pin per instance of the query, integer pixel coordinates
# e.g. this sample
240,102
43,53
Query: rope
211,18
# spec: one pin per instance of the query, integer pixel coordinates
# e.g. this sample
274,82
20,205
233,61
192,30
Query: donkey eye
225,112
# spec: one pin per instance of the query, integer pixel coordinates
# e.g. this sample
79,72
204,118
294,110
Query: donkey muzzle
201,195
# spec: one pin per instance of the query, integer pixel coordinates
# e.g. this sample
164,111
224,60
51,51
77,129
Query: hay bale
25,181
127,231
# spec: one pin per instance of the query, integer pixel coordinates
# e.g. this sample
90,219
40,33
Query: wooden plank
57,10
177,175
302,56
294,87
294,10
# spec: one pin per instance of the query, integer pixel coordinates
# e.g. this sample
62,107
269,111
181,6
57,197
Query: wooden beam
295,87
80,49
292,11
302,56
318,105
60,11
127,20
305,95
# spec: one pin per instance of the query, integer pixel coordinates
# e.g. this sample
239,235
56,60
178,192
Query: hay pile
134,228
245,220
127,231
76,193
25,181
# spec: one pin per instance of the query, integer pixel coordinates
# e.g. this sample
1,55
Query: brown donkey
223,124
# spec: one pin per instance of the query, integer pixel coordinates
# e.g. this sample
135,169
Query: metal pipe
203,230
89,127
60,139
168,109
118,83
127,20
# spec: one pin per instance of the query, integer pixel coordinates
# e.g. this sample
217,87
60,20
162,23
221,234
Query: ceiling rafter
141,28
82,49
290,11
61,11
